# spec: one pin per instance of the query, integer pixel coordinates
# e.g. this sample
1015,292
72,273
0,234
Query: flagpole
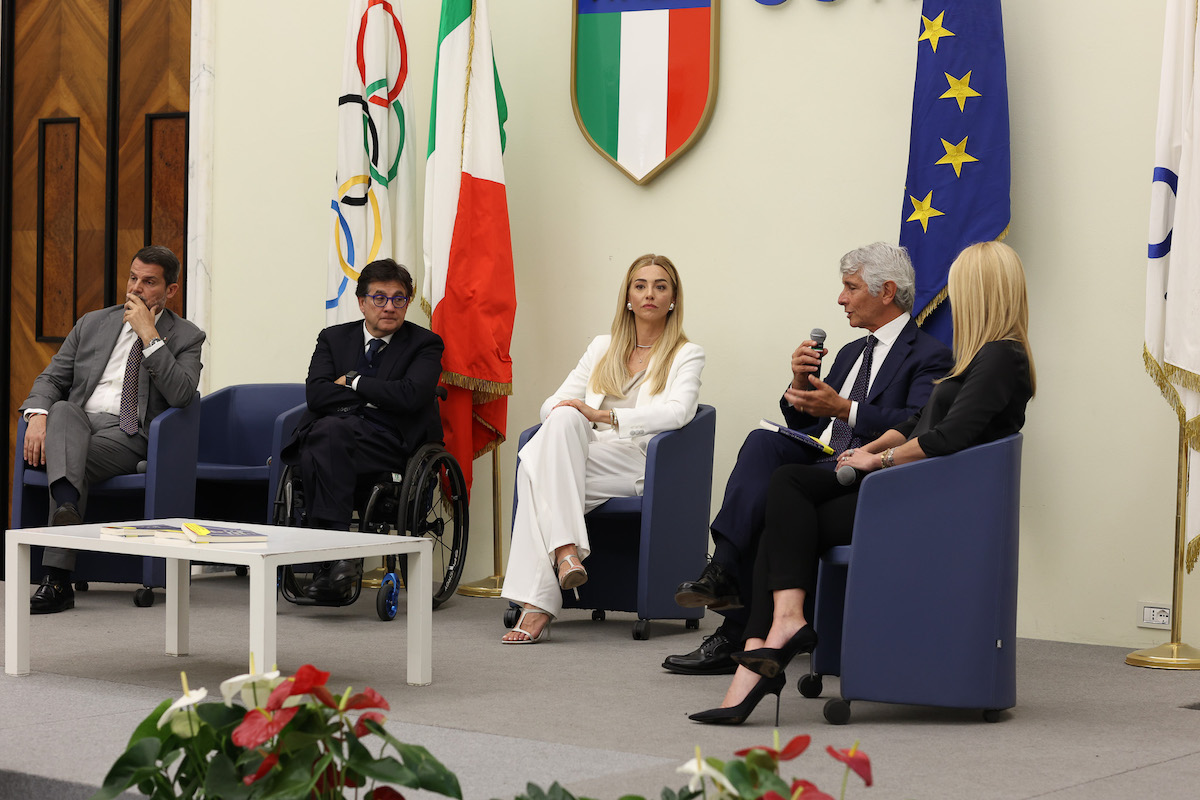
491,586
1174,654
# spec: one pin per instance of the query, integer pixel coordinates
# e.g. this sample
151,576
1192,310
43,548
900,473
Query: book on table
134,531
799,436
216,534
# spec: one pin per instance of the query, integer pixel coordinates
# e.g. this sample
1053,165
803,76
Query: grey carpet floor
591,708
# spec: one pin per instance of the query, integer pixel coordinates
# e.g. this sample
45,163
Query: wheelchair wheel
434,505
288,499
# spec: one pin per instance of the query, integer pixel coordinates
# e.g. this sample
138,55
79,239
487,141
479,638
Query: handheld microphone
847,475
818,336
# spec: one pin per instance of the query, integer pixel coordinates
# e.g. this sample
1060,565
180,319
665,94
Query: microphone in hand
847,475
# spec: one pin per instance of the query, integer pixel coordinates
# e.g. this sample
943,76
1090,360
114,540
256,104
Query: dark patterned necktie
373,348
129,389
843,437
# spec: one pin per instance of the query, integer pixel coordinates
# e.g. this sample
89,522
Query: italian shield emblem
644,78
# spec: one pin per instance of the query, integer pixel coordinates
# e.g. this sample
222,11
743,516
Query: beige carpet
591,709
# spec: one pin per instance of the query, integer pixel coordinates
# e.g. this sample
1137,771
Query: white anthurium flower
254,688
186,723
699,769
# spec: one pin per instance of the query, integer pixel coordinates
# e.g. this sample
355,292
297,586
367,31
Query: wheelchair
428,499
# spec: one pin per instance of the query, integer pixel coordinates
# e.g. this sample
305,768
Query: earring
672,308
629,306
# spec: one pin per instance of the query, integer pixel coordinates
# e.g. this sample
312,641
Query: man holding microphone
874,383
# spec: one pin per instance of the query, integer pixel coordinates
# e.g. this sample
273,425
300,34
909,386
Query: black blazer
901,386
404,388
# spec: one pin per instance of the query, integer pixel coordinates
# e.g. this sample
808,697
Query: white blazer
669,410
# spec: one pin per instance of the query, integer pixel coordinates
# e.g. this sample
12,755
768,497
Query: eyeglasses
381,300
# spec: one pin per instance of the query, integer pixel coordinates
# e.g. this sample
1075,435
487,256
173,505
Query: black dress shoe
344,574
319,588
715,588
66,514
714,656
52,597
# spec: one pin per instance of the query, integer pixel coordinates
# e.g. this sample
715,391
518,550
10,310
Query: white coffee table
286,546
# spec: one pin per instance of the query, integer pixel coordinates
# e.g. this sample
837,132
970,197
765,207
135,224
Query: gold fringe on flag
945,292
934,303
482,391
1166,376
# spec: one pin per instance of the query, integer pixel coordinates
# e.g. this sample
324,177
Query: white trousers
566,470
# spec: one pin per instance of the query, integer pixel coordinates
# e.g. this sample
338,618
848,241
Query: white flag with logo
374,200
1172,352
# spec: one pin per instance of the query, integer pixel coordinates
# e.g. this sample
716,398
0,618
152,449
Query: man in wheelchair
371,402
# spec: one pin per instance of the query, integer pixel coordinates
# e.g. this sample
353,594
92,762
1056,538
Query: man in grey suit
89,412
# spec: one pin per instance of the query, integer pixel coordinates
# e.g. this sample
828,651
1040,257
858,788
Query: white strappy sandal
575,575
544,633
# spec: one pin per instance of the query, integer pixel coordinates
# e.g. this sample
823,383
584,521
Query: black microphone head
846,475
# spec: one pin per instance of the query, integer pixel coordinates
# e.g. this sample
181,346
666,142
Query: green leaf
386,769
136,764
770,782
740,776
297,778
223,780
759,759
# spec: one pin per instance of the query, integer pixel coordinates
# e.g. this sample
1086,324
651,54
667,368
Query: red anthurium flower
325,697
855,759
307,677
772,796
793,748
385,793
258,726
805,790
368,698
263,768
360,727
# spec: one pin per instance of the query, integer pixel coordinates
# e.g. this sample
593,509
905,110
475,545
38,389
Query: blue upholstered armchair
922,607
237,424
166,488
643,547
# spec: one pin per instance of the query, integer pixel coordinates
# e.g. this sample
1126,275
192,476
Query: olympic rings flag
374,202
469,289
1172,351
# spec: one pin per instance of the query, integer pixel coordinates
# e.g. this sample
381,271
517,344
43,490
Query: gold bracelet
888,457
612,419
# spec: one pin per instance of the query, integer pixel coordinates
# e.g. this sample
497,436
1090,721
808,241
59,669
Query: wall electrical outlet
1151,615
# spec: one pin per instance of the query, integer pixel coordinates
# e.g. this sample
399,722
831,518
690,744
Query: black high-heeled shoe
736,715
770,661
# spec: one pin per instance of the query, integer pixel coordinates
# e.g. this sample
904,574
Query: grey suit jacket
168,378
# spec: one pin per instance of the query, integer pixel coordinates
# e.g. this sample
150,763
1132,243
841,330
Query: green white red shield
644,78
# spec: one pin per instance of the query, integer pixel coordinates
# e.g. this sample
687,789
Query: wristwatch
151,343
350,376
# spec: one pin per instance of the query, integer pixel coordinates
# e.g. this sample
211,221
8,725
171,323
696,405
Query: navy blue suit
901,387
339,437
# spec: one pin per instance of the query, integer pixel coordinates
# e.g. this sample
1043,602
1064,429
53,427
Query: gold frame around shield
705,117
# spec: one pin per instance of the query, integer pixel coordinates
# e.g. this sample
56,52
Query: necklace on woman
640,356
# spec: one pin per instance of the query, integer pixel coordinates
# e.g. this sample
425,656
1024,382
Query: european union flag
957,188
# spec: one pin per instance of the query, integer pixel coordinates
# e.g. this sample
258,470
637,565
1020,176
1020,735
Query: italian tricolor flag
469,287
642,75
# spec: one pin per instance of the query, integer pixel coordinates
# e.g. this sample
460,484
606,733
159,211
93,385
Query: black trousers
807,513
740,521
334,453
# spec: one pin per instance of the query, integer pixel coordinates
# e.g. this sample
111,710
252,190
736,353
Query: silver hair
881,262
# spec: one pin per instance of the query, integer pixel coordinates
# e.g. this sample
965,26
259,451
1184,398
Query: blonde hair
610,375
988,303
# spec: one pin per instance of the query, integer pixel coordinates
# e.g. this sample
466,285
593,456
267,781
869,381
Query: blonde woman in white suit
641,380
